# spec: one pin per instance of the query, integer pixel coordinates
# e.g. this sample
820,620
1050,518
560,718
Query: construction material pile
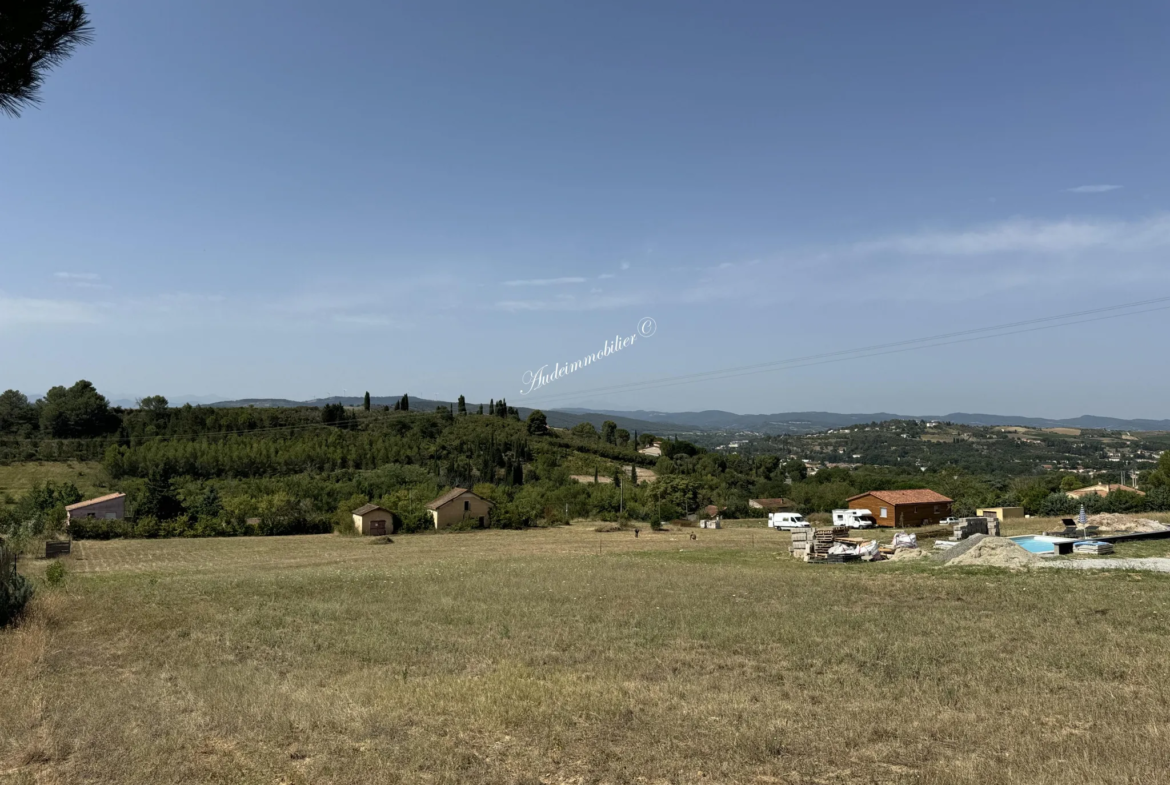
832,545
1116,522
969,527
983,551
1093,548
909,554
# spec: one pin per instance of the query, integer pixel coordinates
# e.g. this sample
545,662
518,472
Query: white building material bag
904,540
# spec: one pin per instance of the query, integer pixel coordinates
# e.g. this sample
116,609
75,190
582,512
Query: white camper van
854,519
786,520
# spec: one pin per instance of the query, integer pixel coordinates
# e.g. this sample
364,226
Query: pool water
1033,543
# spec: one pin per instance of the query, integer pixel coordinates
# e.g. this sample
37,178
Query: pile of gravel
909,554
1116,522
984,551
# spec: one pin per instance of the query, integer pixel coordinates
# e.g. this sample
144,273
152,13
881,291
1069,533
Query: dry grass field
530,657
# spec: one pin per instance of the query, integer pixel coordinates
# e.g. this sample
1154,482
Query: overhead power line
895,347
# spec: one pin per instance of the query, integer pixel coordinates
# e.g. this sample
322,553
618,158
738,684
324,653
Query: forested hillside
213,471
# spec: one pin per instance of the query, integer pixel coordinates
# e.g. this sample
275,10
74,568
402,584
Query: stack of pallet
801,542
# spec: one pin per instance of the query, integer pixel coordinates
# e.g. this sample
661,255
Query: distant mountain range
715,420
807,422
557,419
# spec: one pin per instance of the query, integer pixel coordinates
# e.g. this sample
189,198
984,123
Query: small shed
373,520
1003,513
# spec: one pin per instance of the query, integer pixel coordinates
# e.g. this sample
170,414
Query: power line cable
979,333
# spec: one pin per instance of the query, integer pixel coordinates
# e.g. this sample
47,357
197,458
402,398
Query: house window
466,506
936,509
884,512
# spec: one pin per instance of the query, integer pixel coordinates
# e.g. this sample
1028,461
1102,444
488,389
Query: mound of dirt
1116,522
909,554
991,552
608,527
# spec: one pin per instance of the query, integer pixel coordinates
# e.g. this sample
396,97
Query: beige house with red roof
919,507
772,505
112,507
457,505
1103,489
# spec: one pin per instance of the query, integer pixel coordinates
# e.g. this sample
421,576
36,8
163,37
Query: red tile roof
917,496
87,502
450,496
772,502
368,508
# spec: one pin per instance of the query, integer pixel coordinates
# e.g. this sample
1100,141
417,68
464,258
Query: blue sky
219,198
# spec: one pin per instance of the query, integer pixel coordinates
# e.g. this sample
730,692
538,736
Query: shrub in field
55,573
15,589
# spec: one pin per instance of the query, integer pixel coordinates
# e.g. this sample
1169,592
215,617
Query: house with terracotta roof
111,507
1103,489
374,520
919,507
772,505
457,505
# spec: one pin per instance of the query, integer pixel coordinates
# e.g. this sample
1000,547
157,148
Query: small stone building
370,519
111,507
457,505
1002,513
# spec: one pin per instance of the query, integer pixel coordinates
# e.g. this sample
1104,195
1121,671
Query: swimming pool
1038,543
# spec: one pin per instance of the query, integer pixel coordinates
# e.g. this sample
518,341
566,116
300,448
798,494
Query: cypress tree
462,405
405,402
633,474
366,401
480,409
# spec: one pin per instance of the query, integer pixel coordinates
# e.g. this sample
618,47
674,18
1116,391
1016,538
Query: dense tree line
203,471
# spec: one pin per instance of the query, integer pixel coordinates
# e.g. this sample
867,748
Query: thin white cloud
18,311
544,281
1092,189
369,320
603,303
77,276
608,275
625,265
1026,236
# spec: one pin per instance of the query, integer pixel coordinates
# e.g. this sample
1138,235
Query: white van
786,520
854,519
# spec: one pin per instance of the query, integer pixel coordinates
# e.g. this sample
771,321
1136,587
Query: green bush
55,573
15,589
